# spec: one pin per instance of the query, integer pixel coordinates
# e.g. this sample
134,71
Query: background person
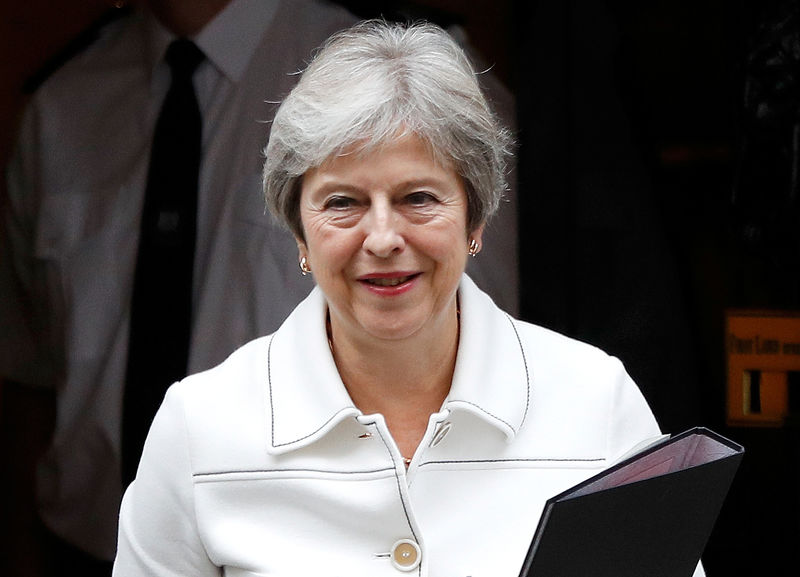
76,188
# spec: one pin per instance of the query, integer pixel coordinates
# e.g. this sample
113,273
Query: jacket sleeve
631,422
158,530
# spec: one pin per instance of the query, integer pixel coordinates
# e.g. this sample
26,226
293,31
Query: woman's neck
404,380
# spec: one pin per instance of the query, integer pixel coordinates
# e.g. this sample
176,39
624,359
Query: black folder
649,515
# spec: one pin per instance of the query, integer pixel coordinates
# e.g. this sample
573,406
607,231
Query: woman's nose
383,235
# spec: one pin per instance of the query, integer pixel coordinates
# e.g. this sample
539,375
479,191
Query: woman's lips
389,283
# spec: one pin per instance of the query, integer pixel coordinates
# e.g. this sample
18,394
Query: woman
397,421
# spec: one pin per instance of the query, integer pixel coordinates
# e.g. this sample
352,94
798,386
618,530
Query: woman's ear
302,249
477,234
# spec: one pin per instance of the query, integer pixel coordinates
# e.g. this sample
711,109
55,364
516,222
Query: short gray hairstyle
376,82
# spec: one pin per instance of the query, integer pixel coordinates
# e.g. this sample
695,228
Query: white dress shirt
70,233
263,465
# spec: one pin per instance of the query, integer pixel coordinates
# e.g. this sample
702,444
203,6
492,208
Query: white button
406,555
441,433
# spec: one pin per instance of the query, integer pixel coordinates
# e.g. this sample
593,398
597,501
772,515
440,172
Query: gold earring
304,268
474,248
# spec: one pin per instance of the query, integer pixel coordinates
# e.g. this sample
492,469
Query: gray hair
376,82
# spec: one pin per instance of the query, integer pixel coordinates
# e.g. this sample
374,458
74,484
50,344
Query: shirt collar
308,399
229,41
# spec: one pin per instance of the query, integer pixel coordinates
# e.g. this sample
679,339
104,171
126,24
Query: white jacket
263,465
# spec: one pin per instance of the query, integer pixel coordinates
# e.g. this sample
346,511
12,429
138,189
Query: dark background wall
633,139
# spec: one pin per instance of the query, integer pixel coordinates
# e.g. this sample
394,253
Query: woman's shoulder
224,410
242,369
225,393
541,346
567,366
551,342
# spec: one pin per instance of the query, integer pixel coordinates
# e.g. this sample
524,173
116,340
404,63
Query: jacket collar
492,378
308,399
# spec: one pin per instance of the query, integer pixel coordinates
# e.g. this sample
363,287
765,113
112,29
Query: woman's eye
339,202
420,198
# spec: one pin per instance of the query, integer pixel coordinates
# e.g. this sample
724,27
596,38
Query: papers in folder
648,515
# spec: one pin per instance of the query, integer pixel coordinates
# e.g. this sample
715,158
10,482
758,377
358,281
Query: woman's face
386,239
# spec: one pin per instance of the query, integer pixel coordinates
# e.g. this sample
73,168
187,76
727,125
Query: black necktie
162,291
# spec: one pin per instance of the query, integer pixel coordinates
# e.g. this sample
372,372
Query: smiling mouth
389,282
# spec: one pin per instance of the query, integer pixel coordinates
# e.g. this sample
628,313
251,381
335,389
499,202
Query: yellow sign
763,351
